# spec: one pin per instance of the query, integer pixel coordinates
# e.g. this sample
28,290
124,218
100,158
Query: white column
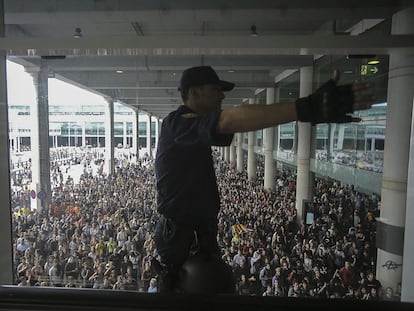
124,134
332,129
149,135
227,154
303,184
69,123
40,141
251,156
34,147
408,250
240,152
268,142
18,144
84,133
157,132
341,135
232,148
396,216
135,133
276,128
6,262
109,136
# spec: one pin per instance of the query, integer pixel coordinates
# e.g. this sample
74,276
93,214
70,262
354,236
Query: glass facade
360,145
74,124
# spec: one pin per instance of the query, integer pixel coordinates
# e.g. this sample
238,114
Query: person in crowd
23,281
244,286
146,276
319,284
71,282
130,282
372,294
71,268
22,267
372,282
98,277
188,199
389,294
268,291
152,288
265,277
347,274
56,273
240,268
86,274
295,290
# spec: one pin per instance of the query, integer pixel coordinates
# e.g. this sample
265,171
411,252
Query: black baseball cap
201,75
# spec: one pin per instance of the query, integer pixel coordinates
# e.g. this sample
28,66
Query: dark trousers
175,243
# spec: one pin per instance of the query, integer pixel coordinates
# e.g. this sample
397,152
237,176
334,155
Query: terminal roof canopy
134,51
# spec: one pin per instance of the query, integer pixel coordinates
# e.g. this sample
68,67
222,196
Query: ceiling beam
162,80
167,62
209,45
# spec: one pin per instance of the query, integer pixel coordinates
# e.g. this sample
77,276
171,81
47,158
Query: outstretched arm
329,104
255,117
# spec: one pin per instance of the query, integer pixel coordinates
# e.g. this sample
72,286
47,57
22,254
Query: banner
239,229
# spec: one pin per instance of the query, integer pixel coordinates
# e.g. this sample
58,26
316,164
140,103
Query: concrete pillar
18,144
276,128
268,142
157,132
232,148
109,137
149,149
227,154
84,133
135,133
396,218
222,153
124,134
240,152
303,184
341,136
40,141
6,261
331,131
251,155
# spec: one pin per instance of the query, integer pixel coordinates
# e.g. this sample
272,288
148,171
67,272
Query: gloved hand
330,103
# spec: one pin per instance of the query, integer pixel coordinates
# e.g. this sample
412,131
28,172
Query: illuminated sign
368,70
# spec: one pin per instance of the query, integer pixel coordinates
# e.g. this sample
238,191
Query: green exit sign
368,70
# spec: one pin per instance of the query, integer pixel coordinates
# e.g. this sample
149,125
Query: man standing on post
188,196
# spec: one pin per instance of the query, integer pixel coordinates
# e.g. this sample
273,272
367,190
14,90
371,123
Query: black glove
328,104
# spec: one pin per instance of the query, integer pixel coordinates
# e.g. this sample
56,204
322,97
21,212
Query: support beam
209,45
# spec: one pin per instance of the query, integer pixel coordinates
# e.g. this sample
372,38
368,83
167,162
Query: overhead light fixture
119,71
78,33
253,31
373,62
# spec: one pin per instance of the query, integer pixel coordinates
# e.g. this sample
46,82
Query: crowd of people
99,234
